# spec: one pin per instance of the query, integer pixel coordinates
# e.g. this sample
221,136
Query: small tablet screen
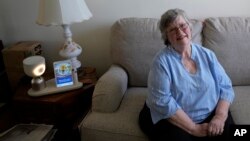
63,73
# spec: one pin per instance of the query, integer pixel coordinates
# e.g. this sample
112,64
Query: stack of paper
29,132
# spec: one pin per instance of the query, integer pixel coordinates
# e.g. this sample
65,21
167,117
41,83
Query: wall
18,23
1,25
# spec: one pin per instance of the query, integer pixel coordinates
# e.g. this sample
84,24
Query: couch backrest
135,41
229,38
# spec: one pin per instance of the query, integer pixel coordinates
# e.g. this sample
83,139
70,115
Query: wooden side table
64,110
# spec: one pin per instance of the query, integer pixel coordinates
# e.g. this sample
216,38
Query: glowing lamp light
39,70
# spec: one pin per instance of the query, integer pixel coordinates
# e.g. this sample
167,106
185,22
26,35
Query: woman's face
179,33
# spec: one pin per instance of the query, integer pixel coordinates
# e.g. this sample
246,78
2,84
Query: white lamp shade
59,12
34,66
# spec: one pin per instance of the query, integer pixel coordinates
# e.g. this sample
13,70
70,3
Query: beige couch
120,93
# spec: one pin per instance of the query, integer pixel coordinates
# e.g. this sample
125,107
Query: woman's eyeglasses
181,27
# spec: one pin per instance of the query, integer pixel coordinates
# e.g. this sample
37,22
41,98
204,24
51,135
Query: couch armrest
110,89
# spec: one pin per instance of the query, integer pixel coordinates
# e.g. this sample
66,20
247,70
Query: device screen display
63,73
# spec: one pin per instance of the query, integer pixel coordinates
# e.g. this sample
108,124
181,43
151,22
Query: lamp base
52,89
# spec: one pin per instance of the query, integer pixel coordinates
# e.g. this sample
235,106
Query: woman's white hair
167,18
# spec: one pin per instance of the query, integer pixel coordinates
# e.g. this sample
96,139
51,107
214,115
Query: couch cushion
240,106
121,125
135,41
229,38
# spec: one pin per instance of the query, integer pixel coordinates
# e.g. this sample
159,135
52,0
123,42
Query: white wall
18,23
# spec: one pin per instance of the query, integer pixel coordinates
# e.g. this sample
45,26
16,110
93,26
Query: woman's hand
216,125
200,130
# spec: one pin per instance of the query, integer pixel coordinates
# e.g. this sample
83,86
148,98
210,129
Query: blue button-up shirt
172,87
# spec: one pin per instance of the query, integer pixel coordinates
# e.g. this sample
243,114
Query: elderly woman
189,91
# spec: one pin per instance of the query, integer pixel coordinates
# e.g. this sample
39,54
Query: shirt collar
176,54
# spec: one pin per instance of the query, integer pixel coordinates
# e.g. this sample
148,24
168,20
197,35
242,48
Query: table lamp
64,13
